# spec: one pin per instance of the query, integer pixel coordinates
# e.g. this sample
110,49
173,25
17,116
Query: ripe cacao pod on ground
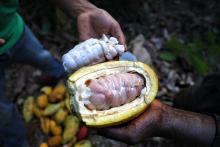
71,128
54,141
45,125
42,101
28,109
43,144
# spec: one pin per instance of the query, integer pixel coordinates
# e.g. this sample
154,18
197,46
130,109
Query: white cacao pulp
92,51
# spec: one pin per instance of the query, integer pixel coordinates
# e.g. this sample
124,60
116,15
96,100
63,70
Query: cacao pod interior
116,115
121,94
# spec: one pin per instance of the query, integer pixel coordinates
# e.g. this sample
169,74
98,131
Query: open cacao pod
80,92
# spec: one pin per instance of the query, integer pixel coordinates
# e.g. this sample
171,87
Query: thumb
2,41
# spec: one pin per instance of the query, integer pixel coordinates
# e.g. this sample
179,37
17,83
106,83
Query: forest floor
147,26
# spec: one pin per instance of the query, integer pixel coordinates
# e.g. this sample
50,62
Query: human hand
148,124
95,22
2,41
164,121
91,21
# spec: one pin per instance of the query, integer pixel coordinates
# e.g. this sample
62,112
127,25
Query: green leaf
199,65
168,56
214,49
175,46
46,26
202,52
198,42
210,38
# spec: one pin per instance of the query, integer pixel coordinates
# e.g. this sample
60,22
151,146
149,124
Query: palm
142,127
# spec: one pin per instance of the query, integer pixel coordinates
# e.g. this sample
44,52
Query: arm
188,127
91,21
162,120
75,7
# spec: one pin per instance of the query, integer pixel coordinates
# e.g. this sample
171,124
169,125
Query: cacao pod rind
116,115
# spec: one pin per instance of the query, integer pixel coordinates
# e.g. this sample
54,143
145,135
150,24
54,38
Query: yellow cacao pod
60,115
51,109
52,124
37,112
71,128
43,144
100,118
42,101
56,130
55,140
58,93
45,125
83,143
28,108
46,90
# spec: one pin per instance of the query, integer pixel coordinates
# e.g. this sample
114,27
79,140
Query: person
18,44
194,119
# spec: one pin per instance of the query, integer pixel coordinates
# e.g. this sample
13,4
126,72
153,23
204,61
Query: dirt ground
147,25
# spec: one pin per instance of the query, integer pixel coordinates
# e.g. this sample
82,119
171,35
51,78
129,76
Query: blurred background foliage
193,24
202,53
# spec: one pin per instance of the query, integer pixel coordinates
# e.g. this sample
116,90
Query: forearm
188,127
74,7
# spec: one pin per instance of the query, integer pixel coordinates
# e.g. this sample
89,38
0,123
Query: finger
2,41
87,35
117,132
84,29
117,32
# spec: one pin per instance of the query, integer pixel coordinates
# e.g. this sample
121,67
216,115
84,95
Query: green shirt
11,24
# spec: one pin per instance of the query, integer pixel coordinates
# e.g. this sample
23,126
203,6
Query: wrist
83,6
75,7
158,110
162,123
